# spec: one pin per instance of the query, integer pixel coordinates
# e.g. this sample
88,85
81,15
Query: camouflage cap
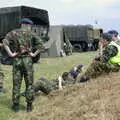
107,36
26,21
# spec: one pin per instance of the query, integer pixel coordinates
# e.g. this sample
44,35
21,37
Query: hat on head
113,32
26,21
107,36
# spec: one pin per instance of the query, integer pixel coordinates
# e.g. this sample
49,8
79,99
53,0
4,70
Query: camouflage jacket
22,41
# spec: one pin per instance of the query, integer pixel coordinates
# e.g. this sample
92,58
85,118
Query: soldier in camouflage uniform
101,44
108,62
19,45
46,86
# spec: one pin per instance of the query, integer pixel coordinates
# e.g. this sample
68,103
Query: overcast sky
105,12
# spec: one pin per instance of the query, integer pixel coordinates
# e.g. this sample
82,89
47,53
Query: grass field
94,100
48,67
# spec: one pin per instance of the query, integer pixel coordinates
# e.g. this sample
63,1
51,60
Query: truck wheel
77,48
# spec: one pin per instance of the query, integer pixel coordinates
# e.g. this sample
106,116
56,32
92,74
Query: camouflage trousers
22,68
44,85
98,68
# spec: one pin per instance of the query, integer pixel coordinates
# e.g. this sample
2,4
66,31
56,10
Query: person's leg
28,77
17,79
113,67
43,85
95,69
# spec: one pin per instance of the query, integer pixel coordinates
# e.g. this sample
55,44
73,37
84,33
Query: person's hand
14,54
32,54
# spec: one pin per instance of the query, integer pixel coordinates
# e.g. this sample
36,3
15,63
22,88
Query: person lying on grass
46,86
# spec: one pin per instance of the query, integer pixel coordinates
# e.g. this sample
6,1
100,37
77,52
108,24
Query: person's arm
9,51
6,42
35,53
110,51
38,44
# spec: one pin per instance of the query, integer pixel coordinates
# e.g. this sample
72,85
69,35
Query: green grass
49,68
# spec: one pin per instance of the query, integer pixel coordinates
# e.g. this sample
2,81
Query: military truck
82,37
10,19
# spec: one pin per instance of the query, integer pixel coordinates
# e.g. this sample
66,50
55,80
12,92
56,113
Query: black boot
15,107
29,107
